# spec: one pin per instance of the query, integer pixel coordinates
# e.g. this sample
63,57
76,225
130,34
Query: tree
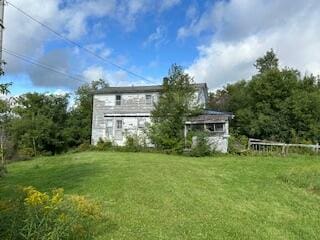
4,119
40,122
175,104
267,62
276,104
79,121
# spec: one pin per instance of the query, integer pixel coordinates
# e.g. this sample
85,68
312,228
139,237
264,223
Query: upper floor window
118,100
148,99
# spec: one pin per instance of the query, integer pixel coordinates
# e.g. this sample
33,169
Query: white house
122,111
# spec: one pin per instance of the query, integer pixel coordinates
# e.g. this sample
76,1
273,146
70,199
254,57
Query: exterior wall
218,141
129,127
133,109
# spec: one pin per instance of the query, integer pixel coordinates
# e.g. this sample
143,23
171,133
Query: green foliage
40,122
4,87
84,147
78,129
237,144
174,105
133,143
268,62
200,147
25,153
41,216
276,104
103,145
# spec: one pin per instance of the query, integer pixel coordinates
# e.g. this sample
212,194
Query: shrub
103,145
200,146
84,147
37,215
25,153
133,143
237,144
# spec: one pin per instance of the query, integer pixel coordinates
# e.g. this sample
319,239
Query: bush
103,145
133,143
25,153
237,144
36,215
200,146
84,147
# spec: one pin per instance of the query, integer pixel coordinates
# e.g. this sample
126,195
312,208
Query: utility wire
77,44
36,63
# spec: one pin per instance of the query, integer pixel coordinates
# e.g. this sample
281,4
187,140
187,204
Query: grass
156,196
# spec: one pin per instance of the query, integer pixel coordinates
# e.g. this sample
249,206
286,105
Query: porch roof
210,116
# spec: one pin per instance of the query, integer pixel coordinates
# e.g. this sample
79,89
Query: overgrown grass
158,196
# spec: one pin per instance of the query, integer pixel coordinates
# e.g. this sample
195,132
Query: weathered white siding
133,110
134,114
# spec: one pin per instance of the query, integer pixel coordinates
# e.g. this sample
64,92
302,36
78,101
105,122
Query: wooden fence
268,146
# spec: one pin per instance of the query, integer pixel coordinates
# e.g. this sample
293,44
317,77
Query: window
215,127
118,100
119,124
218,127
141,122
118,131
148,99
109,128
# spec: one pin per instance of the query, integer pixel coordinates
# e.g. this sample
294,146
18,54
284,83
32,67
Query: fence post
284,149
317,148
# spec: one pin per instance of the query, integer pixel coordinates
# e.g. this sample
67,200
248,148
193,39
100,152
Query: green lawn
157,196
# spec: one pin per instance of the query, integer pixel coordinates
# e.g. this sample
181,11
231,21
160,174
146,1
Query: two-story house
122,111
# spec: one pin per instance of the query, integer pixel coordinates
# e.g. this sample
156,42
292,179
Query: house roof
138,89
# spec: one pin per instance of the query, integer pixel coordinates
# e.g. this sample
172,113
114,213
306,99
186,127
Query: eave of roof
138,89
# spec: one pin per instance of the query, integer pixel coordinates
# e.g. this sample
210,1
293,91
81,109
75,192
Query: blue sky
216,41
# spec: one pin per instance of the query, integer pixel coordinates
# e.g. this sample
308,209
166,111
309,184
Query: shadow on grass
45,178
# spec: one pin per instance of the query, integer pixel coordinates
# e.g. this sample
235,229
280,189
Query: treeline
275,104
46,124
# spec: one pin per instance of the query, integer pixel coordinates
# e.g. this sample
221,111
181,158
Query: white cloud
114,78
99,48
167,4
245,30
157,38
69,18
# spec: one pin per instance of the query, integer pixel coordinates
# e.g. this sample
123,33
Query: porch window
215,127
218,127
118,100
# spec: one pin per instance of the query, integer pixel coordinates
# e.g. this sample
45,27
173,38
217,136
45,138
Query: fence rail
268,146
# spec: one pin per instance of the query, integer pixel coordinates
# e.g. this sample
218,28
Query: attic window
118,100
148,99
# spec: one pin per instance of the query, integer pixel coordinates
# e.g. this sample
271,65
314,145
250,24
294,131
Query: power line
77,44
45,66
